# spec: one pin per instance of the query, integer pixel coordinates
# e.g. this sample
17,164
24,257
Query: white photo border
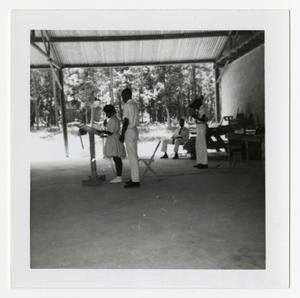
275,23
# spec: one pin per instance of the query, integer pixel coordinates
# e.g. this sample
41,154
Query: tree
41,94
164,92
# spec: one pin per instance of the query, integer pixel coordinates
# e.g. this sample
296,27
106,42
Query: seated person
180,137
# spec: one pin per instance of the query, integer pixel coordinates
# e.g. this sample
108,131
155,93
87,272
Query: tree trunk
179,106
168,116
111,87
141,107
193,82
37,103
86,115
200,82
120,106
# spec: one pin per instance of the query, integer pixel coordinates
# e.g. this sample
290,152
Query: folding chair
149,161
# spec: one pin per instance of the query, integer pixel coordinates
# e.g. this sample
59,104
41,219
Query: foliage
163,92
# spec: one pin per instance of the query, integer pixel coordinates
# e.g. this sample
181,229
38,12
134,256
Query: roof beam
253,41
225,44
158,36
78,65
40,66
138,63
46,44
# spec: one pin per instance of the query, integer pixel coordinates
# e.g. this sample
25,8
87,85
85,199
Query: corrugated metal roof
122,52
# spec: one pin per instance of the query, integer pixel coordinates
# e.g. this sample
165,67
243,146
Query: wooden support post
220,73
57,79
63,113
217,89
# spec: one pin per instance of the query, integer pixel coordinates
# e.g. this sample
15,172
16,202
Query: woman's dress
113,146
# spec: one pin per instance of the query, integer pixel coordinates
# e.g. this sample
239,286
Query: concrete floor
202,219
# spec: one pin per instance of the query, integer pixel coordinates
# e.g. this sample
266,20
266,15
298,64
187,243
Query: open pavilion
213,219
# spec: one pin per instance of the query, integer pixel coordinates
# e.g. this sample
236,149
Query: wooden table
246,139
214,139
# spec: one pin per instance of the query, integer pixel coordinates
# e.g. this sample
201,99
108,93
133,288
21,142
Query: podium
94,179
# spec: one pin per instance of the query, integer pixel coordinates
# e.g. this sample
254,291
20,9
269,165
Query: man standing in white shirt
200,146
130,136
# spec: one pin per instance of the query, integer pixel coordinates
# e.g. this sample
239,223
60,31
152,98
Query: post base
93,181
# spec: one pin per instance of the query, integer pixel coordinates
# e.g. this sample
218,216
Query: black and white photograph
150,154
147,149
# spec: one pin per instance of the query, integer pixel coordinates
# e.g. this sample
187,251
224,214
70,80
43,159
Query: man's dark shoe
128,182
175,156
200,166
164,156
132,184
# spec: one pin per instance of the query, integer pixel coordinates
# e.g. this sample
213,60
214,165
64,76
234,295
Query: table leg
228,152
247,150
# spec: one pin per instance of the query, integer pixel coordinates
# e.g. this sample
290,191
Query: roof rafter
53,48
54,63
129,64
253,41
225,44
138,63
193,34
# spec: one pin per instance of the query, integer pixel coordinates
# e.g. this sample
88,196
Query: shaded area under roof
125,48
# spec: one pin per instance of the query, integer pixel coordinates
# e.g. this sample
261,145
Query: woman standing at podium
113,147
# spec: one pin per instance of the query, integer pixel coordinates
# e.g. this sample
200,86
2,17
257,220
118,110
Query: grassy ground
48,144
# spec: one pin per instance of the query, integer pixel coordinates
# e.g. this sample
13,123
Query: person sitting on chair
180,137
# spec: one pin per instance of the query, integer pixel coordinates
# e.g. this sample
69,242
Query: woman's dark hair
109,109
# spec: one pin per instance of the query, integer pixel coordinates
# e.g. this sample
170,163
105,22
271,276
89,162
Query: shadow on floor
190,219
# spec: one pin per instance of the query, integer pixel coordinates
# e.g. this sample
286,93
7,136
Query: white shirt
131,112
184,133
